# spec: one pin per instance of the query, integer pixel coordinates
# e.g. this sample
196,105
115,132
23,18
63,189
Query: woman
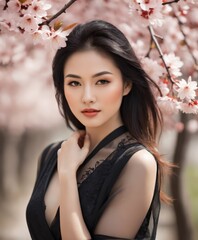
104,181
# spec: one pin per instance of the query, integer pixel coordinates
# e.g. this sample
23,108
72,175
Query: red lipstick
90,112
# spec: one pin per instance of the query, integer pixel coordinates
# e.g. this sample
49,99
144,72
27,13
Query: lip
90,112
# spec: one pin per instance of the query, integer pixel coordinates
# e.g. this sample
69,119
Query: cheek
114,95
70,98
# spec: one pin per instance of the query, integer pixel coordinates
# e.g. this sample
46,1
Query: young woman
104,181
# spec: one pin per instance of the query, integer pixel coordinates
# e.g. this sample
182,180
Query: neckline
111,136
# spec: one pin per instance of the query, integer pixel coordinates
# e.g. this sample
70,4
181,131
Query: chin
92,125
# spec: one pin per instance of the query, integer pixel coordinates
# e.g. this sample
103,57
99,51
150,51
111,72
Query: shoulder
141,168
46,154
142,161
49,149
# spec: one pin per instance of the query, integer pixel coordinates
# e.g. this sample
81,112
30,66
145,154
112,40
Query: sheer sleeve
129,200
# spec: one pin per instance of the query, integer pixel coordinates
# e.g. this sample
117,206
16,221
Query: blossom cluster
29,17
24,22
147,11
179,95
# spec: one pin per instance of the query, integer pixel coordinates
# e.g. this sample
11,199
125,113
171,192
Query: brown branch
185,39
151,44
63,10
154,39
6,5
173,1
150,48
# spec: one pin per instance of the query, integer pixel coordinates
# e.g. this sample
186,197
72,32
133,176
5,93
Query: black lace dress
96,177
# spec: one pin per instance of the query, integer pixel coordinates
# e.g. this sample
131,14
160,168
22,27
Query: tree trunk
2,145
183,220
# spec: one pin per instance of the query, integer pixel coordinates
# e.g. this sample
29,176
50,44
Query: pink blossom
38,8
149,11
173,63
37,37
193,16
167,105
149,4
14,6
183,7
191,107
41,35
29,23
11,51
2,4
9,20
172,37
179,126
139,47
186,89
192,126
164,88
58,39
152,68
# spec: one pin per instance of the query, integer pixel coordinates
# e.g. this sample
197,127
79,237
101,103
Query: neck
96,134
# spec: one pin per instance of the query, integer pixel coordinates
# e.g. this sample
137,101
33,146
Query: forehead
91,61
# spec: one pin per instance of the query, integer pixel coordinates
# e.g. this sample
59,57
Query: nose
88,95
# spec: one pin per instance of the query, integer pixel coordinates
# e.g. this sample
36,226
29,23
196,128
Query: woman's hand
73,153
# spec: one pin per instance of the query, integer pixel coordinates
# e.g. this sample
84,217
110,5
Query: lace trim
89,171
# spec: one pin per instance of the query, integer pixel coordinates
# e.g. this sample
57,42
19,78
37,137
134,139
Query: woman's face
94,88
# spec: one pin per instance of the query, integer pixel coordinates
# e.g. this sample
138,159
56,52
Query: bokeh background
30,119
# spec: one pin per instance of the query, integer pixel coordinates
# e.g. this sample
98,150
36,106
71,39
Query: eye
102,82
74,83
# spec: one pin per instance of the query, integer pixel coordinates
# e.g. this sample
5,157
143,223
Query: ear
127,88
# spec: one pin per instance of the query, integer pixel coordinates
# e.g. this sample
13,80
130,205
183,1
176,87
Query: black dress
96,177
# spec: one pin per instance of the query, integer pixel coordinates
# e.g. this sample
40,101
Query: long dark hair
139,110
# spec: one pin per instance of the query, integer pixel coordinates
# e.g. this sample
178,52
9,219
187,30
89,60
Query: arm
71,219
70,156
130,199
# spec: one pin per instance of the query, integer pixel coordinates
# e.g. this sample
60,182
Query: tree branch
185,40
6,5
150,48
151,44
154,39
63,10
173,1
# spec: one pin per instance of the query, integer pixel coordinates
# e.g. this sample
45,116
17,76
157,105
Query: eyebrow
95,75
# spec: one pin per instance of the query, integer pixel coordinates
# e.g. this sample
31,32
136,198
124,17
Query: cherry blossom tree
38,22
162,32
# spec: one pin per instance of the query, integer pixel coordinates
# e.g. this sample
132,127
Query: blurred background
30,119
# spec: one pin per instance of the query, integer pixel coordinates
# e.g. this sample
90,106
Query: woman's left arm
70,157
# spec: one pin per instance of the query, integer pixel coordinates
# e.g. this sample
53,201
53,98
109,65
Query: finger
77,134
82,132
78,137
63,143
59,151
